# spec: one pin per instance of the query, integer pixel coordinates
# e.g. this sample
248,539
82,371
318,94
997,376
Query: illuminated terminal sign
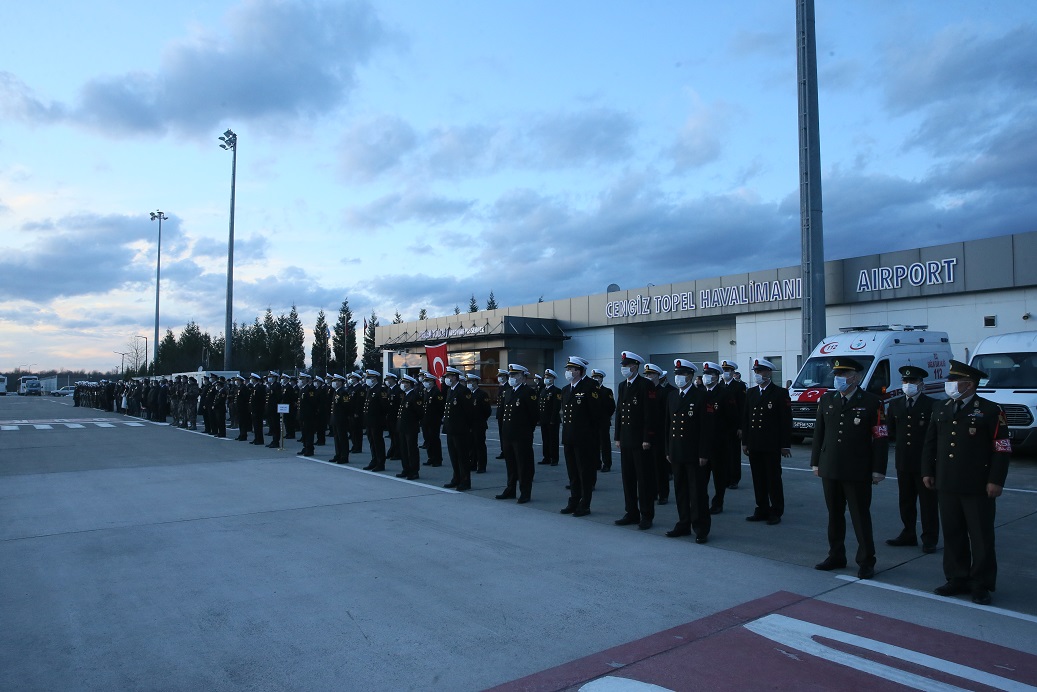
449,333
931,273
708,298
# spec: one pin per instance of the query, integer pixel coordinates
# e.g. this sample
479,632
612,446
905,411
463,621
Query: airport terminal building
970,290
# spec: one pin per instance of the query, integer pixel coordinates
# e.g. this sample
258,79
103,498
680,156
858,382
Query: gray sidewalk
155,558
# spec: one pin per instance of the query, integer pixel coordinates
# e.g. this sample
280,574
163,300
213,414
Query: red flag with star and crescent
437,361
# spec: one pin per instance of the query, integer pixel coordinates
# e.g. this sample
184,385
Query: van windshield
1008,370
818,371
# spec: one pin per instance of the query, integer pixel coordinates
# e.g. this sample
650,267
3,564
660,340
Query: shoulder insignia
594,395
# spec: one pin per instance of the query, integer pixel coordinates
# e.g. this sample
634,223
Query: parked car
67,390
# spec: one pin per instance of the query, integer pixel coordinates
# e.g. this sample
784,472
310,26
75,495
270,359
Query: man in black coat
581,424
663,388
766,438
550,398
392,384
356,425
242,396
907,420
309,411
458,418
376,410
685,426
738,390
408,420
273,419
340,410
722,417
481,414
257,407
519,416
965,459
290,396
850,453
607,410
502,391
636,417
432,401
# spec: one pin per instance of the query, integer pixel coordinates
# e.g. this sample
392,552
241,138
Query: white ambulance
882,350
1010,361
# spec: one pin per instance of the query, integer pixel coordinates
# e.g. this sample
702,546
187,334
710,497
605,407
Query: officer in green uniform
850,452
907,418
965,459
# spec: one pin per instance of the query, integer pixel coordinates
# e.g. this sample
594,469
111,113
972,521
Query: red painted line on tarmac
812,645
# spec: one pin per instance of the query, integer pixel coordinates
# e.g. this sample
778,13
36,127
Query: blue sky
408,154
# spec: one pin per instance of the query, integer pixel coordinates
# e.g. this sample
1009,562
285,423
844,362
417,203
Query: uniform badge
972,431
770,405
633,402
856,421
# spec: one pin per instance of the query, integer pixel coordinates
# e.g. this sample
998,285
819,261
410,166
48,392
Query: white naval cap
318,378
550,373
307,376
578,362
472,377
338,377
763,363
652,367
595,371
408,378
516,369
453,371
710,365
626,356
255,376
373,373
684,364
391,376
728,364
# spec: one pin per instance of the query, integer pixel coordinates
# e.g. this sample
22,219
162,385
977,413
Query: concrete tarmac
140,556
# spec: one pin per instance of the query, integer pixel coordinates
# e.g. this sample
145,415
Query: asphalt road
139,556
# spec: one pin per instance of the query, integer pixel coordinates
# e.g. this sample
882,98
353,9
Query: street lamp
160,217
230,143
137,367
122,366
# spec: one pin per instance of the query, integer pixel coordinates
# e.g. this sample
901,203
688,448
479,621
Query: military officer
550,398
290,396
907,420
581,424
849,454
408,420
657,375
738,389
219,409
519,420
685,406
308,412
607,410
636,432
722,417
392,384
376,409
502,390
458,417
340,395
432,401
481,410
190,402
965,459
320,386
241,398
766,438
273,398
356,429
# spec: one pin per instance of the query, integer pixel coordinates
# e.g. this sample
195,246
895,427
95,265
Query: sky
408,154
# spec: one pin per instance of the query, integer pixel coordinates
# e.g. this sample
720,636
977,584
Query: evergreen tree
274,342
166,354
188,349
216,355
372,357
343,340
541,299
423,314
296,340
398,318
473,304
457,310
320,352
491,302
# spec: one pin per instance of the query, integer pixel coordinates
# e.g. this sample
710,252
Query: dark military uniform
395,394
850,444
376,410
636,417
662,464
581,423
684,426
309,411
907,420
739,391
607,410
290,396
458,418
965,451
502,391
218,409
477,445
356,425
273,419
432,402
722,416
408,420
241,406
323,411
257,407
766,430
340,412
550,398
519,415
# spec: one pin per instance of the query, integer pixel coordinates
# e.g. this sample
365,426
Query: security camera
1026,315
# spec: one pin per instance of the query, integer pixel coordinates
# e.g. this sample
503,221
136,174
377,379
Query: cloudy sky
407,154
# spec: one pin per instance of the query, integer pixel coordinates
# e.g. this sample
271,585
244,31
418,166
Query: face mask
336,384
369,381
472,386
760,379
569,375
840,384
301,383
681,381
427,384
405,387
952,389
513,381
502,380
708,380
727,376
626,372
449,381
598,380
910,389
550,381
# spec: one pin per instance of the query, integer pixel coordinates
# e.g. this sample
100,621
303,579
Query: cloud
700,141
373,146
398,208
279,60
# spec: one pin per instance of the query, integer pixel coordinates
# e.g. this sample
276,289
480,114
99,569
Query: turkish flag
437,361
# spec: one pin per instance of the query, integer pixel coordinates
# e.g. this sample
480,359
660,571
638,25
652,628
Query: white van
882,350
1010,361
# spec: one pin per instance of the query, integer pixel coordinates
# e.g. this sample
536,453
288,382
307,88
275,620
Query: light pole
138,336
160,217
122,366
230,142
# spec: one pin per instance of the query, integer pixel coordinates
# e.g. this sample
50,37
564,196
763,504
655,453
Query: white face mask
840,384
708,380
472,386
513,381
427,384
549,381
569,375
910,389
405,386
626,372
301,383
502,380
336,384
760,379
952,390
369,381
599,380
680,380
727,375
448,381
